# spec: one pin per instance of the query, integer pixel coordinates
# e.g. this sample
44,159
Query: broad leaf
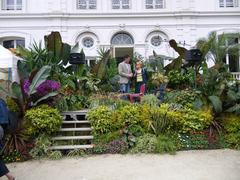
39,78
54,44
45,97
16,90
217,103
66,48
234,109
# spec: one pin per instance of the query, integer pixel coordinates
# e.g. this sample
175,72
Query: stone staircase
75,132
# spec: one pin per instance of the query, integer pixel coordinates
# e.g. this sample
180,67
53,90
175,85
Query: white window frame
120,4
11,7
228,3
87,5
155,4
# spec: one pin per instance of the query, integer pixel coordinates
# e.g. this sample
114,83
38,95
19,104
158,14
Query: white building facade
125,26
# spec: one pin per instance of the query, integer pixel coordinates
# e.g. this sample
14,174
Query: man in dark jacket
3,168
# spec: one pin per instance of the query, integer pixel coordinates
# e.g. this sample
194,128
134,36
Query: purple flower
26,85
48,86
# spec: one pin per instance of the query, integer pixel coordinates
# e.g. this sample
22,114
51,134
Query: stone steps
73,134
70,147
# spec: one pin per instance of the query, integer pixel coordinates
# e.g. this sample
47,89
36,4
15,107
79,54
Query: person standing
3,168
140,75
125,72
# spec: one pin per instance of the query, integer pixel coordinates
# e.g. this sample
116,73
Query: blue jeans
125,88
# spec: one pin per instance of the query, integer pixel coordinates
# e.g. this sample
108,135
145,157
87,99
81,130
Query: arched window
122,38
12,42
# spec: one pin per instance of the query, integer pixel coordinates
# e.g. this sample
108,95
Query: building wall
183,20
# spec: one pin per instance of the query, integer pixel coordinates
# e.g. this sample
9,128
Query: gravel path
186,165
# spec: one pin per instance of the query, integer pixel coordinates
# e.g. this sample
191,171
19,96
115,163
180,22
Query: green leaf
45,97
217,103
66,48
39,78
54,44
16,89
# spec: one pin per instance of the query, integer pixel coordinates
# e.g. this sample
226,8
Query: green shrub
130,133
72,102
145,144
131,115
12,105
42,143
187,120
102,120
192,120
43,119
231,124
179,80
150,100
106,138
160,122
76,153
165,145
55,155
186,98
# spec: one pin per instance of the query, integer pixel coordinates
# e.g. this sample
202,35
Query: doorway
119,52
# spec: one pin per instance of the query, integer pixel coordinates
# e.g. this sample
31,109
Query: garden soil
185,165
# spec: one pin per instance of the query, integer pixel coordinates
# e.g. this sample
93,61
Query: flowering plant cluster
44,88
48,86
26,85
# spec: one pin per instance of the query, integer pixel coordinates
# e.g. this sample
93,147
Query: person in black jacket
3,168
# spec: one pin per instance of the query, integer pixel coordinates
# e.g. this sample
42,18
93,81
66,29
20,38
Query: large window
228,3
120,4
154,4
13,43
11,4
122,39
86,4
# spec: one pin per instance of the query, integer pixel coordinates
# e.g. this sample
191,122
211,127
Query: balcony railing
236,75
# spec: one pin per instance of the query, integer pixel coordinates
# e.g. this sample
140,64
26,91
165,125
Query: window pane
122,38
20,43
221,3
125,4
115,4
158,4
8,44
10,5
229,3
82,4
88,42
92,4
149,4
19,5
156,40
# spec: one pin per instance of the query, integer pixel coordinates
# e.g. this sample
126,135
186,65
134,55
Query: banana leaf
66,49
45,97
54,44
39,78
217,103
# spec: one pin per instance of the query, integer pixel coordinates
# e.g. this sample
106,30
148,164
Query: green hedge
42,120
